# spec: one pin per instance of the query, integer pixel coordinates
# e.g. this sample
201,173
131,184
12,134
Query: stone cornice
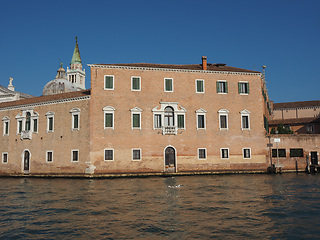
19,106
171,70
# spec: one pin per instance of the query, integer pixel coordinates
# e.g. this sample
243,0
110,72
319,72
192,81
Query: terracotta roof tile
296,104
210,67
295,121
47,98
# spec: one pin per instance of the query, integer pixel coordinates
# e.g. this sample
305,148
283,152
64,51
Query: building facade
141,119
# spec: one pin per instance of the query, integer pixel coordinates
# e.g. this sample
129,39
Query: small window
108,155
201,121
109,82
5,157
49,157
281,153
75,155
296,152
157,121
246,153
225,153
6,123
35,125
222,87
200,86
310,128
245,122
75,121
243,88
180,121
136,120
135,83
50,124
136,154
168,85
223,122
108,117
19,126
202,153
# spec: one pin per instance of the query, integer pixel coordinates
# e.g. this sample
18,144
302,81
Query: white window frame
3,157
6,120
136,149
50,115
221,155
132,83
224,112
104,154
165,84
202,85
244,82
243,155
204,152
22,117
47,156
73,150
137,111
225,87
161,111
184,121
245,113
35,117
201,112
74,112
111,110
104,87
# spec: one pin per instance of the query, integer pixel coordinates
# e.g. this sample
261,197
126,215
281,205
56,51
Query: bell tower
75,74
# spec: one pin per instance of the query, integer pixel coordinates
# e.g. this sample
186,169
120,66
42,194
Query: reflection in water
222,207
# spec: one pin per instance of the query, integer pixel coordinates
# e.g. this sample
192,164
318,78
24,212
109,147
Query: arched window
169,116
28,121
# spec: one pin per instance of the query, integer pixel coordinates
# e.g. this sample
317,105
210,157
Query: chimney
204,63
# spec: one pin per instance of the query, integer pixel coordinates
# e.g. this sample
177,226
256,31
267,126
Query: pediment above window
245,111
136,109
223,111
108,108
75,110
173,105
201,110
49,113
6,118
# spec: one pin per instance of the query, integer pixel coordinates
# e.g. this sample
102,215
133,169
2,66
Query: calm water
283,206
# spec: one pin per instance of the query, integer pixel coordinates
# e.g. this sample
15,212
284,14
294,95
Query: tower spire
76,59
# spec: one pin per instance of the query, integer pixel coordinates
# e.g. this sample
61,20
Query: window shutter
248,88
108,122
218,90
239,87
226,87
136,120
180,121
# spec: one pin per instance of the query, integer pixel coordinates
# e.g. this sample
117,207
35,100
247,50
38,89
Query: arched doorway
170,159
26,161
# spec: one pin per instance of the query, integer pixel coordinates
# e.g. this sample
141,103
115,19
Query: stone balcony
169,130
26,135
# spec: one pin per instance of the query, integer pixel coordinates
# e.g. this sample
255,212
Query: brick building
142,119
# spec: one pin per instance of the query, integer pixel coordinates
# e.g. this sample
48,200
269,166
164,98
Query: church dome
59,85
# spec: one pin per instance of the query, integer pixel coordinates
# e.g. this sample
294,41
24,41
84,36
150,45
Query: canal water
241,206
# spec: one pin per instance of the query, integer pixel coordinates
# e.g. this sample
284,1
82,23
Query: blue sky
283,35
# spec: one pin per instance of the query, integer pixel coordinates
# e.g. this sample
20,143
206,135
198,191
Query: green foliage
281,130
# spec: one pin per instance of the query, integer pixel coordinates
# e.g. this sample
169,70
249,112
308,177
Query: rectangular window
310,128
108,120
49,156
136,154
135,83
222,87
201,121
75,155
20,126
75,121
200,86
108,82
180,121
157,121
4,157
6,128
35,125
243,88
50,123
168,85
108,154
296,152
136,120
223,122
245,122
202,153
281,153
246,153
225,153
